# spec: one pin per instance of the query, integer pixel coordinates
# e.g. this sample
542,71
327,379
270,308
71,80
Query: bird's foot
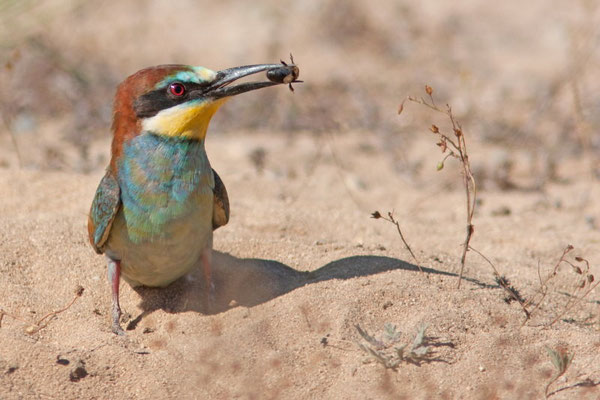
117,330
116,325
114,276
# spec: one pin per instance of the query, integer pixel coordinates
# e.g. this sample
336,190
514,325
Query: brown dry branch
455,146
513,293
584,284
40,324
391,219
544,282
7,314
582,288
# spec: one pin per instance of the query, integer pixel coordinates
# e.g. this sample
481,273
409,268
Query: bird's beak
276,73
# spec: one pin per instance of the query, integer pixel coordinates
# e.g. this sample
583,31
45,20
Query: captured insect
287,73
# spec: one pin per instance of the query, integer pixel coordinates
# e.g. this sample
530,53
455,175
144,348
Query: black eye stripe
149,104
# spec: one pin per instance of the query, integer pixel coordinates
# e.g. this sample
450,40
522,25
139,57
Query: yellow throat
188,120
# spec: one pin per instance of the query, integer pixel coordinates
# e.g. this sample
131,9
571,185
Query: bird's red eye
177,89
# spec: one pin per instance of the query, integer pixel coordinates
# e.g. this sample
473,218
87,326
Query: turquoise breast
165,220
161,179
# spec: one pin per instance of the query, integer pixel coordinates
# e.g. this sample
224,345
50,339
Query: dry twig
502,281
40,324
454,146
391,219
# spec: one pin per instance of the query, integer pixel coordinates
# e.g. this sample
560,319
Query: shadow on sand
249,281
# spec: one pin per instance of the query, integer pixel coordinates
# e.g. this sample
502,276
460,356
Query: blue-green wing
104,209
221,203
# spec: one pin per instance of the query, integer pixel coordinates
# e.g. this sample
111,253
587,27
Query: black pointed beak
276,74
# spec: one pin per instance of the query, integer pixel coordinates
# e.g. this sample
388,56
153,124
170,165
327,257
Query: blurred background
522,77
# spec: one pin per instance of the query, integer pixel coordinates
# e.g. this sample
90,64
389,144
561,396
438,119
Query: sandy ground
299,265
301,262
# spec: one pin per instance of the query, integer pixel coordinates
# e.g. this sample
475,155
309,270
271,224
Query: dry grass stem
390,218
503,282
45,320
453,145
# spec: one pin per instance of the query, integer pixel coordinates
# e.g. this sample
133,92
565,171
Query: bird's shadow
251,281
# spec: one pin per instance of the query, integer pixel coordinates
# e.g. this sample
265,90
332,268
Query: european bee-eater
156,207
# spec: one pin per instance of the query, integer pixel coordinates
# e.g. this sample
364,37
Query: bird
155,210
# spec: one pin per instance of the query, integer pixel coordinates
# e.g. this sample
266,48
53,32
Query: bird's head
178,101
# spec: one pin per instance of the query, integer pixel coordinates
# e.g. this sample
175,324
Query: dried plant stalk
455,146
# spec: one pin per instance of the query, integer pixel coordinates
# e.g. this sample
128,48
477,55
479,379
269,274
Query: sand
299,265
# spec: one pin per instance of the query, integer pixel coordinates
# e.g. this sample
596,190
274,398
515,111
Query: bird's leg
114,275
206,268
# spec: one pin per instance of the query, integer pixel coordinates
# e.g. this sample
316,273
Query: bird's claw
116,325
117,330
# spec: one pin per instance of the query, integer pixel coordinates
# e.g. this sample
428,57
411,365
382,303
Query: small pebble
62,361
78,372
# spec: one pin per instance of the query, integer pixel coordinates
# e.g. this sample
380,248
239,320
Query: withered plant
453,145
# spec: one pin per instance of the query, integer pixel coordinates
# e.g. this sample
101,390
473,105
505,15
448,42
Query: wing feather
221,203
105,206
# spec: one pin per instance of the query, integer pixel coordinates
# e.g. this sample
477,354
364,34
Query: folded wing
105,206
